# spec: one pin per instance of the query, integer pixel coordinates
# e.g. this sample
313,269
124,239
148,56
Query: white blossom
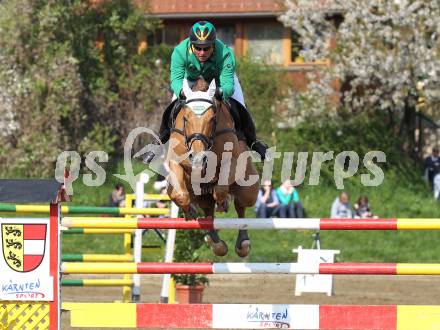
10,86
389,48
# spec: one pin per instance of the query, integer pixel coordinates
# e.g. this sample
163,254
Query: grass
391,199
400,195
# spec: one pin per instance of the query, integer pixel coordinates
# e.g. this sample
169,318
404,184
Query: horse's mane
201,85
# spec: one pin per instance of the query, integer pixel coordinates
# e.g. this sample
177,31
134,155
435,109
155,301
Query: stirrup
152,152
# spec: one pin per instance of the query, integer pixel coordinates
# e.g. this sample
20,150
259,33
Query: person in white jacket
436,186
341,207
267,201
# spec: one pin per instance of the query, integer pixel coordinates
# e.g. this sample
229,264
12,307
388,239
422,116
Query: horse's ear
211,89
186,89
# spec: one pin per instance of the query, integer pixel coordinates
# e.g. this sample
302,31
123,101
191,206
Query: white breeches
238,92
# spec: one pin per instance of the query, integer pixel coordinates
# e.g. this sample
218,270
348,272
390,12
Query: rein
208,142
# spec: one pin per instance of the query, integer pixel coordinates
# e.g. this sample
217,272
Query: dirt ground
279,289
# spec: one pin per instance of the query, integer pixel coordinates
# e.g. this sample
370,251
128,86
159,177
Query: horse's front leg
220,195
178,191
225,180
217,245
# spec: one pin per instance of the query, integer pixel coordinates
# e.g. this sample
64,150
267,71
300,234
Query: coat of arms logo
23,245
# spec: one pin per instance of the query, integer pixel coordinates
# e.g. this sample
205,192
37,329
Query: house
249,27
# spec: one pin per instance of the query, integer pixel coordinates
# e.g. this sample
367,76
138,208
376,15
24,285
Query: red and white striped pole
249,268
254,223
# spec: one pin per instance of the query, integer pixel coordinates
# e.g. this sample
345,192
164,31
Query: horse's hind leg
243,243
244,196
217,245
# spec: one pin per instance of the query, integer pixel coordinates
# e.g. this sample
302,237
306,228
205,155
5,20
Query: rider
203,55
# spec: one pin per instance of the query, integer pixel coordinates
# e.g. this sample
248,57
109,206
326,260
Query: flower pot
189,294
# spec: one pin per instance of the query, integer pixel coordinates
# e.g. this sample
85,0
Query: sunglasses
205,49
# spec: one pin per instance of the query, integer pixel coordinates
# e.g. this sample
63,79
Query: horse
206,156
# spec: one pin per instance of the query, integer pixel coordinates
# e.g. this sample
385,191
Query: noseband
208,142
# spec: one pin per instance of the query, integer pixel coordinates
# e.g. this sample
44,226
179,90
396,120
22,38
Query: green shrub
188,242
264,88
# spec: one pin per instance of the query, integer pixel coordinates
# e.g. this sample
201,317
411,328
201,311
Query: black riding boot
164,131
247,126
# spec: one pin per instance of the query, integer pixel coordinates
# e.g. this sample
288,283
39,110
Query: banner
24,260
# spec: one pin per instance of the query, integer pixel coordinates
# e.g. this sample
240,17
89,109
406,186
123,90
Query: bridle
208,141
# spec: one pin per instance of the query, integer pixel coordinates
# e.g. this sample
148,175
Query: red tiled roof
214,6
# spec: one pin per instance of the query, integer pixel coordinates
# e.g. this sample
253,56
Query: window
154,38
227,35
265,42
171,35
296,48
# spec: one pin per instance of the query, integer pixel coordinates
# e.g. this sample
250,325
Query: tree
39,85
72,78
386,54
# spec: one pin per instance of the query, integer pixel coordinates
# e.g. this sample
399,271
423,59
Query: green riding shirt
220,66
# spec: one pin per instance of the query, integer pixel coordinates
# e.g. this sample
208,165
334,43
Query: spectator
362,208
162,204
432,166
117,197
290,205
437,187
267,201
341,207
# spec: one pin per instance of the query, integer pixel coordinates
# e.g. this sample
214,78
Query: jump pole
249,268
76,231
97,257
96,282
18,208
253,316
254,223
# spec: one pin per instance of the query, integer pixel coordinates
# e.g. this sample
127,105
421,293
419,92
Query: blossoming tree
385,55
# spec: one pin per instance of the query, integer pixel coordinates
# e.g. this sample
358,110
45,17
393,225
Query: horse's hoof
220,249
245,247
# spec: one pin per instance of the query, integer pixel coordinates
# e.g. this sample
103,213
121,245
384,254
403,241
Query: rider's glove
218,93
